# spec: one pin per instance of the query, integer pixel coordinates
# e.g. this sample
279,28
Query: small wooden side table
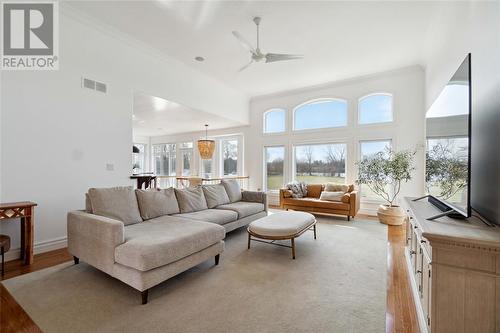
24,210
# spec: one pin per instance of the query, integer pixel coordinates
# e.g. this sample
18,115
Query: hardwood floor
400,313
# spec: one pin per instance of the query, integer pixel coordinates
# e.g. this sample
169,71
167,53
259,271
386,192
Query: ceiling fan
256,53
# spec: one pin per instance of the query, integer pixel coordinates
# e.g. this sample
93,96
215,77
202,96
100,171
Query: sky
453,101
319,115
375,109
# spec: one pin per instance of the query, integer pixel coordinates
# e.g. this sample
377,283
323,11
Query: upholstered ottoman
281,226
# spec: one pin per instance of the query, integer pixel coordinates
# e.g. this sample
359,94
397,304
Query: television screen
448,143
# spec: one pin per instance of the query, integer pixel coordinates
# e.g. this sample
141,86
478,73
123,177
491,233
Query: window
229,157
320,163
367,149
375,108
274,121
164,159
274,157
186,149
320,114
139,159
207,168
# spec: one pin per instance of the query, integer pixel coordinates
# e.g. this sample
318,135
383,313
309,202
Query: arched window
375,108
274,121
323,113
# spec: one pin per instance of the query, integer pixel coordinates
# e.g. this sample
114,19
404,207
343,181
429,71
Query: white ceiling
154,116
339,39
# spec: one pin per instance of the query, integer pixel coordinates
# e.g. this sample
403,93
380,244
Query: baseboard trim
41,247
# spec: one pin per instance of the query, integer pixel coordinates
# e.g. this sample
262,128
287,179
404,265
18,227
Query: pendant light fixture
206,147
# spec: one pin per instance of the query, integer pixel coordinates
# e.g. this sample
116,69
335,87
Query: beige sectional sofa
144,237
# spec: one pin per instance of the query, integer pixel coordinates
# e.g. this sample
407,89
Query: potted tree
383,173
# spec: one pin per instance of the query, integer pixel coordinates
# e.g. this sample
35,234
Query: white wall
472,27
56,138
406,131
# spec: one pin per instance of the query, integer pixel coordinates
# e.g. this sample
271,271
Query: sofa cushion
233,190
299,189
316,203
333,187
191,199
314,190
154,203
331,196
163,240
215,195
219,216
244,208
119,203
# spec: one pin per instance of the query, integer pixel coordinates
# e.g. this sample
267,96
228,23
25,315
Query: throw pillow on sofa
191,199
331,196
154,203
299,190
215,195
119,203
233,189
333,187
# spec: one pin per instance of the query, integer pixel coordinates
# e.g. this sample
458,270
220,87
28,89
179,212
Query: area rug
336,284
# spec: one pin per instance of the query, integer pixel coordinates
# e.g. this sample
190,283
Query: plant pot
391,215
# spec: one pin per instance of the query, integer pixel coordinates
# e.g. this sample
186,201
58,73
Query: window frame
264,118
393,114
360,156
264,165
182,150
322,99
318,143
239,152
170,164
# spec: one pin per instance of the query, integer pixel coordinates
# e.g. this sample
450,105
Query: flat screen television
448,142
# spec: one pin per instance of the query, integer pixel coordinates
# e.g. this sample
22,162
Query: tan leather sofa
348,206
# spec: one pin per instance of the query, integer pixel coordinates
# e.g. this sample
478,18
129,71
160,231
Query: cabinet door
414,249
426,289
418,271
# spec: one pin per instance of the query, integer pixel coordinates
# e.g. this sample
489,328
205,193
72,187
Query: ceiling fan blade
246,66
243,42
273,57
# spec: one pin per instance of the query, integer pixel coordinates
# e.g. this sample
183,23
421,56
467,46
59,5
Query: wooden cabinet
454,269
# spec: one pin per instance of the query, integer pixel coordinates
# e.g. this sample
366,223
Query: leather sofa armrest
254,196
354,202
284,193
93,238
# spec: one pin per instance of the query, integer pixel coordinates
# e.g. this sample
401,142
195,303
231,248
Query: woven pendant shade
206,147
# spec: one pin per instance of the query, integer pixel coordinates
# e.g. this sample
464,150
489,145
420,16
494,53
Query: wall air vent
94,85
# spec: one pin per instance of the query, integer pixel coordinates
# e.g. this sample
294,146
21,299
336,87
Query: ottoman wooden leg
315,231
293,248
249,240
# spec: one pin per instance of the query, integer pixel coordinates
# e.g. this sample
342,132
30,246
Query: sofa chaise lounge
144,237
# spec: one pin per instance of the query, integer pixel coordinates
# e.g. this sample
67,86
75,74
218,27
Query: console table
454,270
25,211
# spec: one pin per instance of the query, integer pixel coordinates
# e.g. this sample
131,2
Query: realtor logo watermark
30,36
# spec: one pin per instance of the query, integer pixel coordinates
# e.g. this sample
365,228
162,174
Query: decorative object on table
25,211
4,247
383,173
206,147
